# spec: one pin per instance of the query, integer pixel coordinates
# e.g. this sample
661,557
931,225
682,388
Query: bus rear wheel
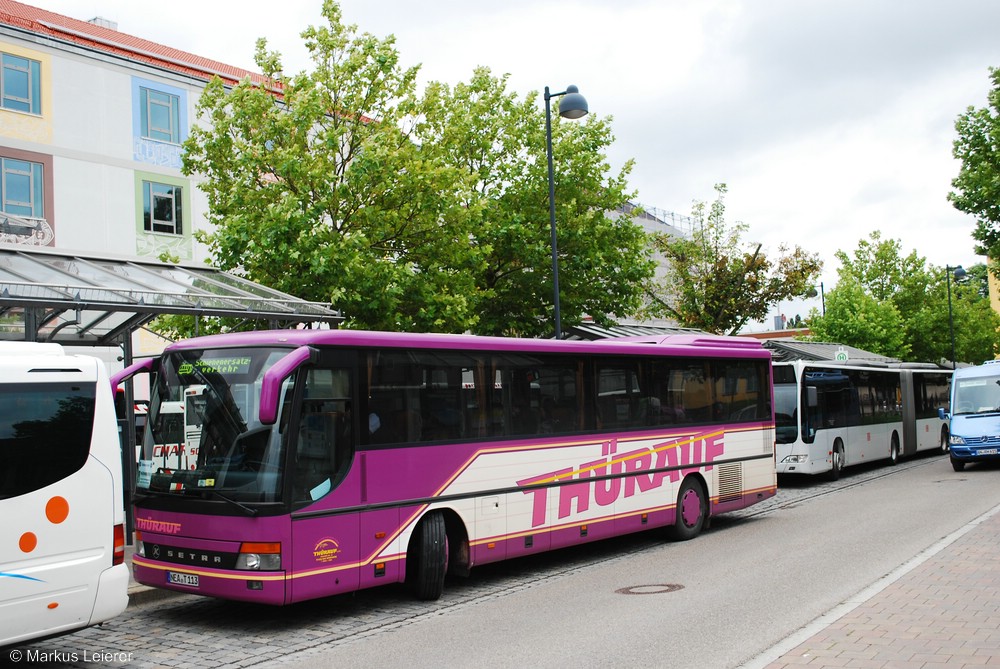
894,450
427,557
691,511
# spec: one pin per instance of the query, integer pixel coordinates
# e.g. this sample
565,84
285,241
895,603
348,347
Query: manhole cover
655,589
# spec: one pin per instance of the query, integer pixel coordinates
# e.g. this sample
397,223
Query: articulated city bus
330,461
62,561
831,415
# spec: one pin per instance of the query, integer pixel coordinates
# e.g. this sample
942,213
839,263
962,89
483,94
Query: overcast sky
828,119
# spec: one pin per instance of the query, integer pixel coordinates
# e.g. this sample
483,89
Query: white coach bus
62,557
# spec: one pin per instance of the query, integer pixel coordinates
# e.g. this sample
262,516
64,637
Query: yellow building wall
994,288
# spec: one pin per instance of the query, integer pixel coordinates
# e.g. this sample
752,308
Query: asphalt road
748,582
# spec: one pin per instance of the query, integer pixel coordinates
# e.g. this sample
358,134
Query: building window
160,115
161,208
20,84
22,188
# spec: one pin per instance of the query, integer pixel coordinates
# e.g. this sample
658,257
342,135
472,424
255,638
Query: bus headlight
259,557
955,440
795,459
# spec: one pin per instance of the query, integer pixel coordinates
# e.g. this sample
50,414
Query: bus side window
812,420
323,447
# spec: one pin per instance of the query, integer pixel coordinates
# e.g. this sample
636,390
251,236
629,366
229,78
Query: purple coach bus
326,461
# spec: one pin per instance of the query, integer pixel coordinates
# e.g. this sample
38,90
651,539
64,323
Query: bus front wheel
957,465
894,450
836,460
427,557
691,510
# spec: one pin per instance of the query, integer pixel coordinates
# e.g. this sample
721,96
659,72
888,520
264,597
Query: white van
975,414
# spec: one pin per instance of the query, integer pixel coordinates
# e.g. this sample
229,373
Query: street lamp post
572,106
822,295
959,275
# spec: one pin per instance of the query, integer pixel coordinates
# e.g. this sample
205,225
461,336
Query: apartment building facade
92,122
92,126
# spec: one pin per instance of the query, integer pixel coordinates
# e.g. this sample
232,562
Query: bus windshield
785,413
203,433
977,394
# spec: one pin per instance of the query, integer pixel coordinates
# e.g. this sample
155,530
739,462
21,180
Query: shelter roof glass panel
66,296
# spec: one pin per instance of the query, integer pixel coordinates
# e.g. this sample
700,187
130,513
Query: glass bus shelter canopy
72,299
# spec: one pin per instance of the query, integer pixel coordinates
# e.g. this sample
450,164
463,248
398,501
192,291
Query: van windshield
977,395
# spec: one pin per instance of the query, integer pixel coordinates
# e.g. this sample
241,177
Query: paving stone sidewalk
940,610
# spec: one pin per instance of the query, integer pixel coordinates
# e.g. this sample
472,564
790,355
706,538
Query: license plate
987,451
178,578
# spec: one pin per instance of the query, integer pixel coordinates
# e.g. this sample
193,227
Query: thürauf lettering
628,474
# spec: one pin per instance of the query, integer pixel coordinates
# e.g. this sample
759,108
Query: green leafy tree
411,212
884,273
973,319
856,318
977,186
323,192
978,279
895,305
881,270
500,141
977,324
716,282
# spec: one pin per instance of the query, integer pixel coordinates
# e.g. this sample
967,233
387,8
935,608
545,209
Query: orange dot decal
54,605
57,509
28,542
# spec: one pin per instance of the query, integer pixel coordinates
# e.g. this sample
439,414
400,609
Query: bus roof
30,348
33,361
867,364
707,345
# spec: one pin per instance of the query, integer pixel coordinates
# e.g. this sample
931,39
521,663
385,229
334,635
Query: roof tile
57,26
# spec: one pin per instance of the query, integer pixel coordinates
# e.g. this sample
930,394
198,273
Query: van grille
982,441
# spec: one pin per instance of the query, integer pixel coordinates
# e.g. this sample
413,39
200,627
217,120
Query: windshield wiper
250,511
187,492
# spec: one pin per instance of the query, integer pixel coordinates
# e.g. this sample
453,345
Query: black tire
945,447
957,465
691,511
427,557
894,450
837,466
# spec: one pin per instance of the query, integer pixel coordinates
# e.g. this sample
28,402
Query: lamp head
960,273
573,105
